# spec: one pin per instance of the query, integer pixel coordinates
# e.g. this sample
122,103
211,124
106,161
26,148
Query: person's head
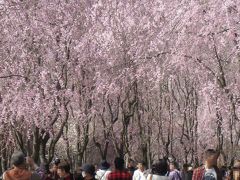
45,167
160,167
79,168
18,159
185,167
210,158
119,163
63,169
55,164
88,171
131,163
104,165
173,166
141,165
56,161
236,170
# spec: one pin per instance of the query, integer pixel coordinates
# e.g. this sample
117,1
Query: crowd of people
24,168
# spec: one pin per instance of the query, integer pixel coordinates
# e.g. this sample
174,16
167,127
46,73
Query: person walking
186,172
209,171
54,168
174,172
64,171
160,171
131,166
88,172
140,173
103,171
19,169
120,173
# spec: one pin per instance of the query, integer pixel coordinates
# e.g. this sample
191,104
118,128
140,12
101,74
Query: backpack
209,176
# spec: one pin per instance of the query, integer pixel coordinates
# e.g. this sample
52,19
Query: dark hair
89,168
104,165
160,167
209,152
64,166
175,164
56,161
18,158
185,166
219,175
119,163
131,160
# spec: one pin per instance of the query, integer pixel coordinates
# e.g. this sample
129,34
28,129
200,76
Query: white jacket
138,175
102,174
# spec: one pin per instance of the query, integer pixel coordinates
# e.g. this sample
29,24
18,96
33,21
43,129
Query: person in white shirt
103,171
160,171
140,173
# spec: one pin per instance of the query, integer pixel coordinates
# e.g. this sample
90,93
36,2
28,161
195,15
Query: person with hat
103,171
19,170
88,172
